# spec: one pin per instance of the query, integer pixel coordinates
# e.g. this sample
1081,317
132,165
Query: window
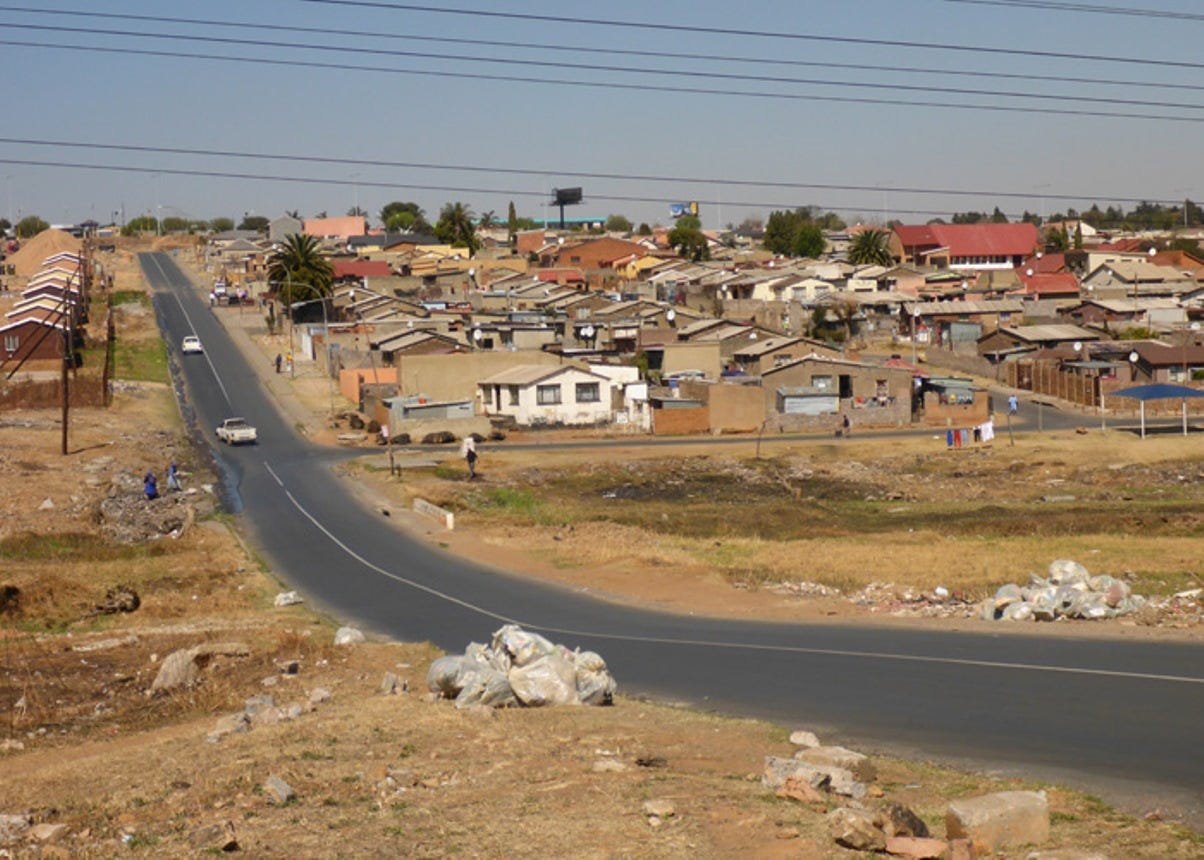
11,342
547,395
823,383
588,392
513,389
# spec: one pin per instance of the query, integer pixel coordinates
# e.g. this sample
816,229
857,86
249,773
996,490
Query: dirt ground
126,773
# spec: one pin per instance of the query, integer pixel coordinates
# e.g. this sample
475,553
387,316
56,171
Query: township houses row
46,320
549,330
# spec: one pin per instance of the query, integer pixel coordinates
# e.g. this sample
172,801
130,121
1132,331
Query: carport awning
1159,391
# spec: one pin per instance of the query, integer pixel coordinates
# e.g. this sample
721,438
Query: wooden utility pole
68,337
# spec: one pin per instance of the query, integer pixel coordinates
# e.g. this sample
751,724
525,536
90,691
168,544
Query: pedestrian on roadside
279,359
468,451
149,486
173,477
844,426
1013,404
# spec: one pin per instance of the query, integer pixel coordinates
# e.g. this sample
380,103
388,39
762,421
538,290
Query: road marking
744,646
192,326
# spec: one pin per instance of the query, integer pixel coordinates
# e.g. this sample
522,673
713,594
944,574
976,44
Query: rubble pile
524,669
1069,591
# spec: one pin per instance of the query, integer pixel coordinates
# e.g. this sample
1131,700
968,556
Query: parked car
190,344
234,431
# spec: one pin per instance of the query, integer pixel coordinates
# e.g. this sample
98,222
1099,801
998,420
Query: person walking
173,477
468,451
1013,404
279,361
150,487
844,425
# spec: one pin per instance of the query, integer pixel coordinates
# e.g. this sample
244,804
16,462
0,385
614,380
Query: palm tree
456,226
299,269
487,219
870,247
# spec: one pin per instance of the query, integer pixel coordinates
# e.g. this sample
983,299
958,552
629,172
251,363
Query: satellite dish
670,315
476,334
588,332
1078,347
1133,356
1028,272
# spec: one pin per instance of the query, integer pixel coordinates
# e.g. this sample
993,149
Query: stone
256,704
13,828
47,834
825,777
854,762
288,598
659,808
349,636
855,828
214,837
278,791
47,504
915,847
228,725
962,849
319,695
221,649
390,684
803,792
1065,854
899,820
179,669
997,820
804,739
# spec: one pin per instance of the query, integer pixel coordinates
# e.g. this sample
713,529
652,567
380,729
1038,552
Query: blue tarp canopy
1158,391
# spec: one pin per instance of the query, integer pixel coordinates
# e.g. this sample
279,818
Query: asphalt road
1119,719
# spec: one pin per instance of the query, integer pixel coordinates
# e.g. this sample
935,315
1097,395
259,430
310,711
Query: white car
192,343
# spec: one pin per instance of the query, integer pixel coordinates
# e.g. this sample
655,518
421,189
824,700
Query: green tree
691,222
175,225
408,217
511,220
487,219
258,223
4,225
30,225
690,242
455,226
1078,236
298,271
618,224
870,248
221,225
643,229
1188,246
809,241
356,210
141,224
997,217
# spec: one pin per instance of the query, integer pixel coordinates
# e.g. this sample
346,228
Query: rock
319,695
289,667
349,636
215,837
804,739
47,834
287,598
1065,854
962,849
855,828
1001,819
179,669
916,847
803,792
442,437
228,725
659,808
854,762
119,598
47,505
824,778
13,828
899,820
278,791
389,684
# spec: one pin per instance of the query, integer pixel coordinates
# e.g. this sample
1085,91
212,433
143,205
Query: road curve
1119,719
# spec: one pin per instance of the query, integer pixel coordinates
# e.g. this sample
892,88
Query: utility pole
68,349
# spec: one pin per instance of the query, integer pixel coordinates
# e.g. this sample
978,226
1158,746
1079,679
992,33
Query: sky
745,107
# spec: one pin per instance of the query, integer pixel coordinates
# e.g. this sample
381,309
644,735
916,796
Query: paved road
1121,720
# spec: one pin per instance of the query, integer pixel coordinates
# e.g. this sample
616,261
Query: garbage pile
521,669
1069,591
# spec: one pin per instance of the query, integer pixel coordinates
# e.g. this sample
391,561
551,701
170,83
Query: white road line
745,646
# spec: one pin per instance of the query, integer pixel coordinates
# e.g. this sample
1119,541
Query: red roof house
964,246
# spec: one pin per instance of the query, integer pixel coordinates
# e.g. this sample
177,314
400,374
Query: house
600,253
756,358
1105,314
280,229
350,271
542,396
335,228
35,335
1136,279
820,387
959,324
964,247
1008,340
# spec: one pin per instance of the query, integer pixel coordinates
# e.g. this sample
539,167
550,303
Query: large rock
997,820
804,739
349,636
824,777
855,828
899,820
13,828
826,757
915,847
183,668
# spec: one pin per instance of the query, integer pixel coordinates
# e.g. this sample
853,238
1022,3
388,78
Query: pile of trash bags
1069,591
521,669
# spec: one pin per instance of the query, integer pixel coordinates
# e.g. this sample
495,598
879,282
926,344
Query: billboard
678,210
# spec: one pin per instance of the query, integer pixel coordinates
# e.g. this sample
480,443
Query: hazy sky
718,124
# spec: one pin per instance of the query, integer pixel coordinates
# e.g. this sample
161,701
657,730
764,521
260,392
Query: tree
406,217
691,222
809,241
293,213
175,225
846,309
618,224
356,210
455,226
511,220
997,217
299,270
258,223
4,225
30,225
797,233
870,248
487,219
643,229
221,225
141,224
690,242
1188,246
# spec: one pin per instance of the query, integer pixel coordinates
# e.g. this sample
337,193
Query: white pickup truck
233,431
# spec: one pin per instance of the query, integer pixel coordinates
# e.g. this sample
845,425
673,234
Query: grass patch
141,362
74,546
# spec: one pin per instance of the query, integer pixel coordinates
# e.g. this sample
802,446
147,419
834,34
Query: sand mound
33,251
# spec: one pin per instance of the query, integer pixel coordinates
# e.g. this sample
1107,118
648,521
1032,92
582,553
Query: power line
343,161
395,186
1028,110
594,67
759,34
1092,8
608,51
